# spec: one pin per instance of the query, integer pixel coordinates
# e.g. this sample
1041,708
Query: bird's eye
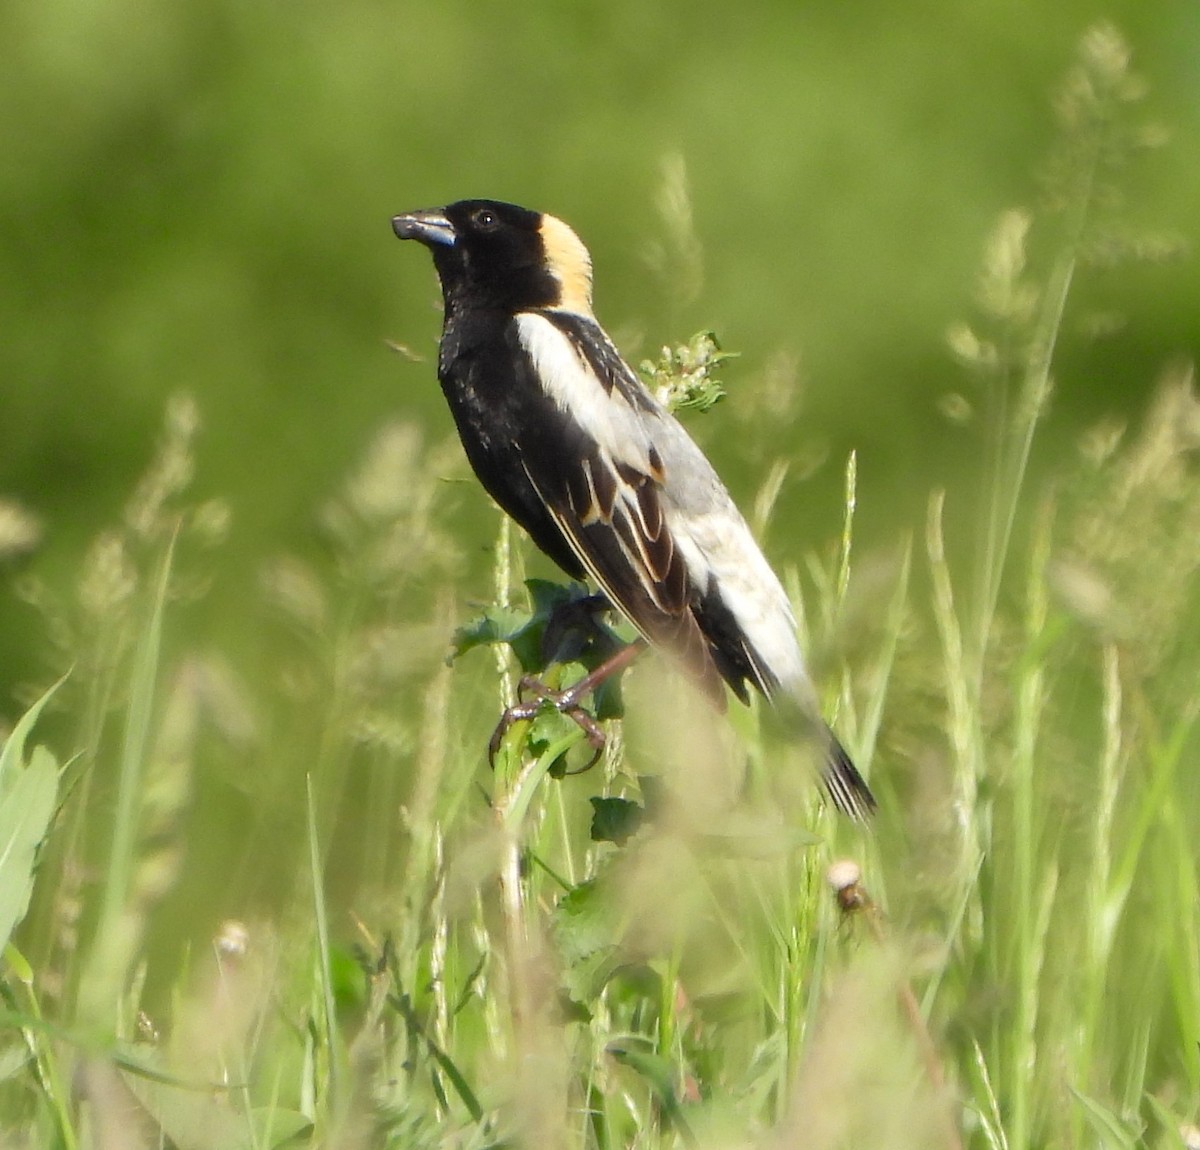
485,219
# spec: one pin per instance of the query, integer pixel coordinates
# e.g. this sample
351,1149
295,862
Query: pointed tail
846,787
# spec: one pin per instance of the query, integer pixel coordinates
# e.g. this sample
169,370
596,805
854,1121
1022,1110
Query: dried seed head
845,877
843,873
1003,292
232,939
20,530
109,576
169,474
210,522
292,587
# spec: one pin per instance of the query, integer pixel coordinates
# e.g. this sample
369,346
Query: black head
495,255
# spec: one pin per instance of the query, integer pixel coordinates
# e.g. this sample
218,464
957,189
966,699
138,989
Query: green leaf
549,726
13,1059
547,595
683,378
589,976
458,1080
190,1119
584,921
571,1010
572,636
615,820
1111,1131
12,756
275,1126
329,1034
609,702
26,808
640,1057
18,964
495,625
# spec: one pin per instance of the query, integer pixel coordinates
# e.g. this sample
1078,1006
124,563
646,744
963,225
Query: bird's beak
430,227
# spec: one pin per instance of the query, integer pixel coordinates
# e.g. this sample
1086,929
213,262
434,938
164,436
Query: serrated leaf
494,625
615,820
547,595
584,921
589,976
26,809
585,929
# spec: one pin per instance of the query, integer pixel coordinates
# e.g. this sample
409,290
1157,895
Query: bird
571,444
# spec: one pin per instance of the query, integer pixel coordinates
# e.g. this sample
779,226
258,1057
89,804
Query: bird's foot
567,702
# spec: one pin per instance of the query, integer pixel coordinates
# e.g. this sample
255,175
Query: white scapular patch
569,381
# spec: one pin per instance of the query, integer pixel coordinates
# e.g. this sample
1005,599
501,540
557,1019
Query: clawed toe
565,702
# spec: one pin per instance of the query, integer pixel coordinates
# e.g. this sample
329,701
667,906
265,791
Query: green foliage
683,379
28,795
614,820
561,623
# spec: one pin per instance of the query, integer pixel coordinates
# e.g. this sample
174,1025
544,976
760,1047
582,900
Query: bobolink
604,479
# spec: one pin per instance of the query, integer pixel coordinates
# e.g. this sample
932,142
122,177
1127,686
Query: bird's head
496,255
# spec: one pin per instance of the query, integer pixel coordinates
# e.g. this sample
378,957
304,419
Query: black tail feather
846,787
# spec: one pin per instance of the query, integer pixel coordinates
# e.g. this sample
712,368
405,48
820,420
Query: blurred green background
197,197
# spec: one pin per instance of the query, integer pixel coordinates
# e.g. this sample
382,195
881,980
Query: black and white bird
570,443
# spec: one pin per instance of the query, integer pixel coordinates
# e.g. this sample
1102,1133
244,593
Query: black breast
487,379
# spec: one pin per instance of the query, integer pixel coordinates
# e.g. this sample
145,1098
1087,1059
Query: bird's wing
599,460
594,464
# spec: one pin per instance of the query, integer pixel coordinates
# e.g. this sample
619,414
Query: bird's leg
566,702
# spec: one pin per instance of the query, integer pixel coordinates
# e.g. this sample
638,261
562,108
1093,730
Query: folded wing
601,478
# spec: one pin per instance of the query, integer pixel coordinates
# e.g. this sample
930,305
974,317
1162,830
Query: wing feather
608,502
645,579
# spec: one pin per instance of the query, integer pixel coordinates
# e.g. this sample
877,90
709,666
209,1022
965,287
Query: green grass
647,954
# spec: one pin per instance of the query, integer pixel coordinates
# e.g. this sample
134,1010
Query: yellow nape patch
568,261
